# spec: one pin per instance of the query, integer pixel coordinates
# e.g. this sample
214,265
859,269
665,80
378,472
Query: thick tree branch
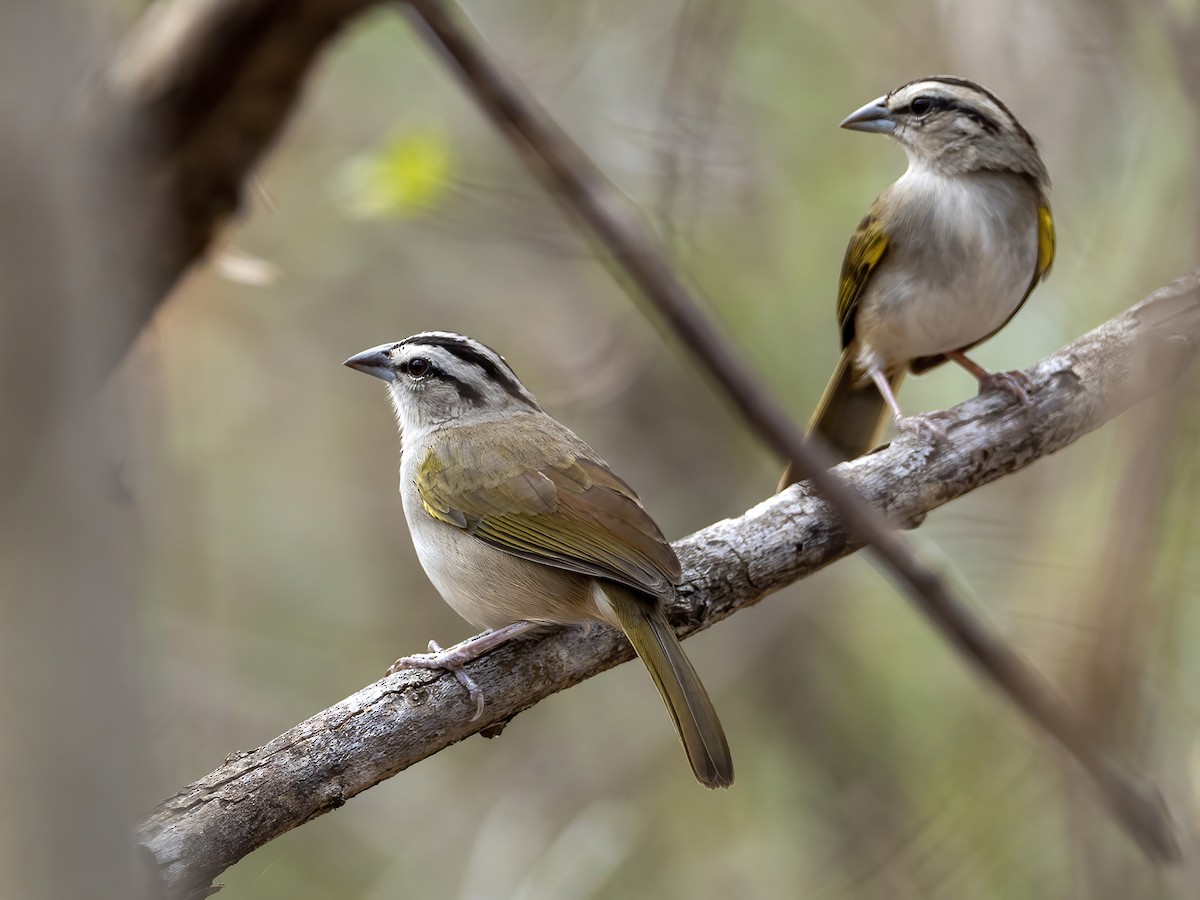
402,719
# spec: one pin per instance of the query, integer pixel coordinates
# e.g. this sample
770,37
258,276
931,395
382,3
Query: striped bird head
437,377
954,126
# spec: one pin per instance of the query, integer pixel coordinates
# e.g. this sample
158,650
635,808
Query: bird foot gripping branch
453,660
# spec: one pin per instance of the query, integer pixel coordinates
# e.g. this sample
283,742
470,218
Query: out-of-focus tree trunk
71,758
118,167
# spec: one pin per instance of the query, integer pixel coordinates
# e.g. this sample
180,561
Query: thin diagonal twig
577,182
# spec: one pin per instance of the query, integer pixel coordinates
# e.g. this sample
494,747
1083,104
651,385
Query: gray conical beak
377,361
872,117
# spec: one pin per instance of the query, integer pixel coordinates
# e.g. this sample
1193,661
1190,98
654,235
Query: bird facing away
944,257
519,524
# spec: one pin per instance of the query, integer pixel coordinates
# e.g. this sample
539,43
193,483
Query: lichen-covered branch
402,719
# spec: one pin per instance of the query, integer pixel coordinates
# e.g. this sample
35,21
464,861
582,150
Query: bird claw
451,661
923,424
1016,384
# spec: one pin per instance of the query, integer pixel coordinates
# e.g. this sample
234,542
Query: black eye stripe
469,354
429,371
987,122
976,115
922,106
971,85
467,393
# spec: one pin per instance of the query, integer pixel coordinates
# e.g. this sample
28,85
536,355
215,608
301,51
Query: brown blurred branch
398,721
157,155
581,187
1182,31
191,102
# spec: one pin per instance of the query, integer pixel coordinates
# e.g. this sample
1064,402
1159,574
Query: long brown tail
849,416
695,720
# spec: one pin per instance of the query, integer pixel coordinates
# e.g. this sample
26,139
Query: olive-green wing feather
570,511
849,415
866,248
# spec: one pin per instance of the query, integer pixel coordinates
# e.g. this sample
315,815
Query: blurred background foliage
871,763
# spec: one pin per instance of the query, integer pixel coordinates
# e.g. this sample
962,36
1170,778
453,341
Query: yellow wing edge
1046,241
863,253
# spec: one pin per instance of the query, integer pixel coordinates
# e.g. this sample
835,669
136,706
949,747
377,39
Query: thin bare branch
704,37
398,721
576,181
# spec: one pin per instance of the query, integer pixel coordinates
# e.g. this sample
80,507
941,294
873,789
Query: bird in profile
943,259
519,524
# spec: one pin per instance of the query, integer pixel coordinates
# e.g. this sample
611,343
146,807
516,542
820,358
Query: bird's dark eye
921,105
418,367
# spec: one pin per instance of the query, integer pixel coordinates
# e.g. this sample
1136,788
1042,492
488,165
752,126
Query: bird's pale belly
960,259
933,322
905,318
491,588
